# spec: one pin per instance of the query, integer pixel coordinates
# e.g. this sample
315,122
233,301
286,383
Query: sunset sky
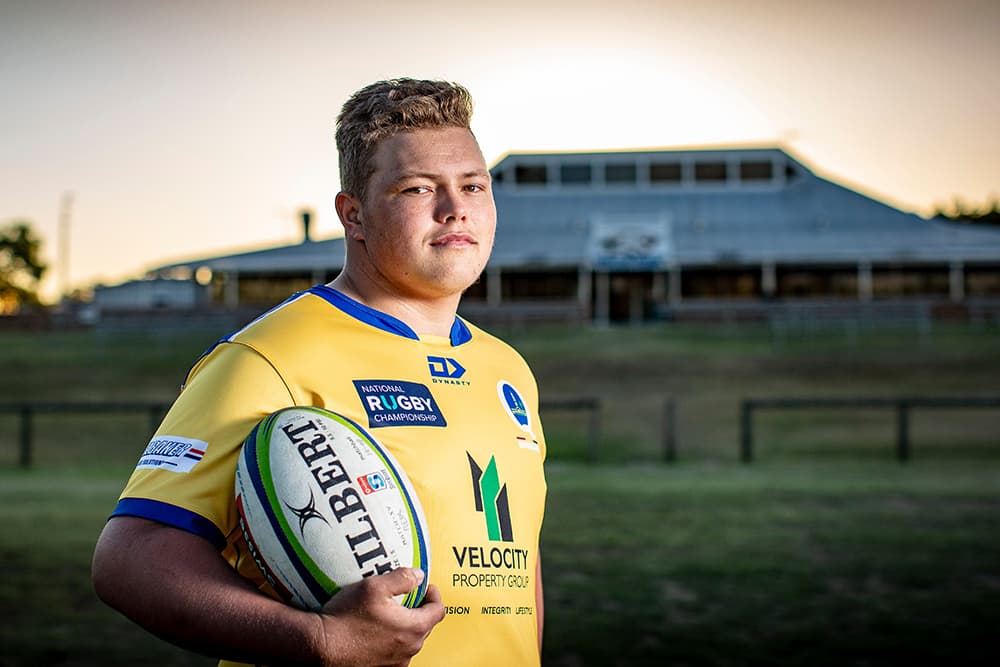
188,128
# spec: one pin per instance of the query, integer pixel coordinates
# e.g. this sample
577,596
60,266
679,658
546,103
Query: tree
959,211
21,266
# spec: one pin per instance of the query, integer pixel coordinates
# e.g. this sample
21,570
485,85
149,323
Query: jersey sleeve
185,478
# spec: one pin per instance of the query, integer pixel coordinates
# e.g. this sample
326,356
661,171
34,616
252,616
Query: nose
450,206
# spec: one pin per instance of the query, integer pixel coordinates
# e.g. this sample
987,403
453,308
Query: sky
162,131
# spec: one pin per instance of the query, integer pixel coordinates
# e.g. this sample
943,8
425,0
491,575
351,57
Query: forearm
180,589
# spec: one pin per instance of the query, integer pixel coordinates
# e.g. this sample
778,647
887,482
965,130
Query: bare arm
177,586
539,602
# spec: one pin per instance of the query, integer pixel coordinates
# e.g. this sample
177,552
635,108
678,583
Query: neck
431,316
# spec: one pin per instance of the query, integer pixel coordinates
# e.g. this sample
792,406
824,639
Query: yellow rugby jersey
459,413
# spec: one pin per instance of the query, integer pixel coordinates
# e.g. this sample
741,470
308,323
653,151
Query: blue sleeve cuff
171,515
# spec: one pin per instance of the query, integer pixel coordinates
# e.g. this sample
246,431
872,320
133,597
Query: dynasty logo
491,500
445,370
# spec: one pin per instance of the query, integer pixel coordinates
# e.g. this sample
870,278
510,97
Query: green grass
708,371
51,522
703,564
825,551
779,564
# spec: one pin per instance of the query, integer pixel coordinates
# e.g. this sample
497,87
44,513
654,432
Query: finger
432,609
402,580
433,595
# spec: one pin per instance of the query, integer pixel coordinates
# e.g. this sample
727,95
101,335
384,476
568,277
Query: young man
419,218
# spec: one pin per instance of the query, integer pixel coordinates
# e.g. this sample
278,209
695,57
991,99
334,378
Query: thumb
402,580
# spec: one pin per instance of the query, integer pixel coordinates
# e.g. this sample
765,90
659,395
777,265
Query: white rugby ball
322,504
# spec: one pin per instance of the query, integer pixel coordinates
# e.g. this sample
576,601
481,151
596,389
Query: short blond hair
383,109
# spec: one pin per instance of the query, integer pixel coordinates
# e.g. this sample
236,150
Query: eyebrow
475,173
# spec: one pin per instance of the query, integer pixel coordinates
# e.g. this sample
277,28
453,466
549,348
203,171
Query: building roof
679,208
793,216
309,256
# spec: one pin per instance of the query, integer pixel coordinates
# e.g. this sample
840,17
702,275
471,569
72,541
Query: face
425,227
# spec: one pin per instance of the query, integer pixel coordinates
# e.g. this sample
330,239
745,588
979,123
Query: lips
454,240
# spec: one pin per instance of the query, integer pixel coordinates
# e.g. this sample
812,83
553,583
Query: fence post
903,430
25,458
155,414
595,427
746,431
669,430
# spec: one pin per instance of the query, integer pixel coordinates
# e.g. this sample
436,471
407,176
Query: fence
668,423
27,410
156,409
903,405
590,405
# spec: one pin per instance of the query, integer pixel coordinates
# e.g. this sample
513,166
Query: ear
349,211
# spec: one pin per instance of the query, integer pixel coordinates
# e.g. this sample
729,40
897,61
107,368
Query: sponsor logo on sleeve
173,453
398,403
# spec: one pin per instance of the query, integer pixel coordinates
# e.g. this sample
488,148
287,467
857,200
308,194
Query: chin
453,285
455,280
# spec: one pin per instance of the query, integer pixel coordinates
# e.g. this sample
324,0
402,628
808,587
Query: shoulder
281,341
485,341
507,362
297,329
300,316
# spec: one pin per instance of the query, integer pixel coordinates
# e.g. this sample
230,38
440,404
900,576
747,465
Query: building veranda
670,234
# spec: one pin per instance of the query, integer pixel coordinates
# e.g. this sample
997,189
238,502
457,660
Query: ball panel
322,503
415,516
296,566
268,455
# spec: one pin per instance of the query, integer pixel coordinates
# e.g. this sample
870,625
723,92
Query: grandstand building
655,234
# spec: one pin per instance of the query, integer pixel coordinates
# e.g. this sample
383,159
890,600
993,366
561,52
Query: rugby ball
322,504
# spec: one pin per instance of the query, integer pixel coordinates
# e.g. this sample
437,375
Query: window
619,173
710,172
498,176
572,174
539,285
526,174
756,170
665,172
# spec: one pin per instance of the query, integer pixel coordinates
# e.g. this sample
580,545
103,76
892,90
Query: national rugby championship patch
398,403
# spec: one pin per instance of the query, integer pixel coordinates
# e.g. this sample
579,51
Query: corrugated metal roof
326,255
806,218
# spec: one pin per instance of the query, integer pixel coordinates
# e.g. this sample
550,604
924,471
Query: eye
475,187
417,190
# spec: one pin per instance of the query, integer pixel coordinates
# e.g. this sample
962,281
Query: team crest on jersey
398,403
173,453
515,407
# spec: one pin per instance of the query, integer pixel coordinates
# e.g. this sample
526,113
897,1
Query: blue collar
459,331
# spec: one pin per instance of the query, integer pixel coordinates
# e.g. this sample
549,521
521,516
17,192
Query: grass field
823,552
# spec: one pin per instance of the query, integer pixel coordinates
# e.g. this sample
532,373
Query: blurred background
751,250
138,134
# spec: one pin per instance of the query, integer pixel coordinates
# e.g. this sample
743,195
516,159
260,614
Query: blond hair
383,109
